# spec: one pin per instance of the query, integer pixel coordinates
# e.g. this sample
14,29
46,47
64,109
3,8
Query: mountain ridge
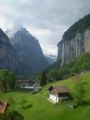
8,57
29,50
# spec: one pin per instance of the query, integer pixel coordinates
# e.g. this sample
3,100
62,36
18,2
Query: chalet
24,83
3,106
58,93
29,85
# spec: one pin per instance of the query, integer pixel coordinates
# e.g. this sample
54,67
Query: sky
47,20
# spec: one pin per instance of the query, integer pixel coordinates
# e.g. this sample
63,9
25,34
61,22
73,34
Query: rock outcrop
75,42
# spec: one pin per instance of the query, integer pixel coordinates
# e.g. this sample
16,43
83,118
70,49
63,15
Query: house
29,85
24,83
58,93
3,106
37,86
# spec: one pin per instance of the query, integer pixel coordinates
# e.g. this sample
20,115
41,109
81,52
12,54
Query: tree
12,115
79,91
7,79
43,78
52,74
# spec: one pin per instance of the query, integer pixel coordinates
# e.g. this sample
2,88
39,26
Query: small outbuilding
58,93
3,106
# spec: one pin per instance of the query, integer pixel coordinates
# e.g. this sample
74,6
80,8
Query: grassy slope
43,110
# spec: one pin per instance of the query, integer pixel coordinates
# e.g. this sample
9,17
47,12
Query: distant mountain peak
22,29
51,58
11,32
29,50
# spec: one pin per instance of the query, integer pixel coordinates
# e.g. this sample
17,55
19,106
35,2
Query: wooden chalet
58,93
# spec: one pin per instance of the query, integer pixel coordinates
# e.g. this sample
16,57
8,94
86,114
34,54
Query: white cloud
45,19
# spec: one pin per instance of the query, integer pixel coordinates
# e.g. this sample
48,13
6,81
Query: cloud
45,19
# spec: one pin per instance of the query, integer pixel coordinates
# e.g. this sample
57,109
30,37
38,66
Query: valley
40,108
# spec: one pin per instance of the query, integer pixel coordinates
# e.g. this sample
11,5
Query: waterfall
62,62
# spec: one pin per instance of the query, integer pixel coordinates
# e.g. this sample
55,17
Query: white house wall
54,98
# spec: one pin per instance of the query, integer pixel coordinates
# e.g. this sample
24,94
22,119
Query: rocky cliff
29,50
75,42
8,57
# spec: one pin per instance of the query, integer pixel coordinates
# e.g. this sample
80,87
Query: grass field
41,109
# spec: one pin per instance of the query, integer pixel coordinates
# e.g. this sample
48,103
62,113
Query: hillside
42,109
80,64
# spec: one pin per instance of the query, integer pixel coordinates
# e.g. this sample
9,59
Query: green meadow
39,108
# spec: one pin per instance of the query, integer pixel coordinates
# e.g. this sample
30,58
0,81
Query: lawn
41,109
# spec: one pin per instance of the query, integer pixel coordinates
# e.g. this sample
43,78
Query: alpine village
36,87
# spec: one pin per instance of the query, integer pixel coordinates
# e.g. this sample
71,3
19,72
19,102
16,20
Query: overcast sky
47,20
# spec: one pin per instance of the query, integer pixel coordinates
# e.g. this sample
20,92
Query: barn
58,93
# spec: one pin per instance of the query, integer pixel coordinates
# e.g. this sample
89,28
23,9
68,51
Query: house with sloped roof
3,106
58,93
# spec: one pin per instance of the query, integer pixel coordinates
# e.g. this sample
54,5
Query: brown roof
59,89
3,106
25,81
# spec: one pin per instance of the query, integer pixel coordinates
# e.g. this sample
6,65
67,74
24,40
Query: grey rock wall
69,49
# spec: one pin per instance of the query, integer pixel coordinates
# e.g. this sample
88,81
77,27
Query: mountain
29,50
75,41
51,58
8,56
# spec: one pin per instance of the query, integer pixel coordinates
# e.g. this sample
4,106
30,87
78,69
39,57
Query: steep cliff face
29,50
8,57
75,42
87,41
